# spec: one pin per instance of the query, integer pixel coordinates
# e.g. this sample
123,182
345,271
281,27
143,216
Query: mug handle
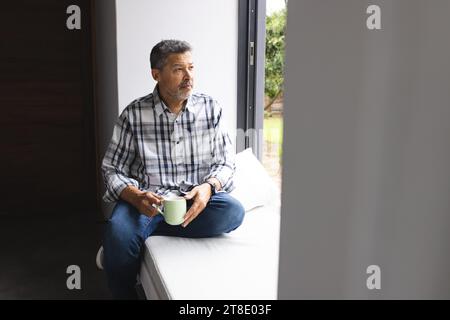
158,209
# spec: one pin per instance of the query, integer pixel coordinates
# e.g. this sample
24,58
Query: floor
36,251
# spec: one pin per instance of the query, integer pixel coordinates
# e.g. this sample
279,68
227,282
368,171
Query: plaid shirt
156,150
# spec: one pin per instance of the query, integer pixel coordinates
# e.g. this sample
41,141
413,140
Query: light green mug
173,210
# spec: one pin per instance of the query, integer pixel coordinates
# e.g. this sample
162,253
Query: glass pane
273,109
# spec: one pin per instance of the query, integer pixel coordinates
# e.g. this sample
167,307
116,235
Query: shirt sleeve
223,165
118,159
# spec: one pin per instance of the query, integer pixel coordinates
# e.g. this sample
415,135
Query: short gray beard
181,96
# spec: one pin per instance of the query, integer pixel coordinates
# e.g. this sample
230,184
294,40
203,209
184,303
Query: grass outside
273,141
273,132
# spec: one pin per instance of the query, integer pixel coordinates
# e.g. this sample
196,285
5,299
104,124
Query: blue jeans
127,230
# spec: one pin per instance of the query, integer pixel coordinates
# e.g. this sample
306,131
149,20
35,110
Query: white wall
126,31
211,27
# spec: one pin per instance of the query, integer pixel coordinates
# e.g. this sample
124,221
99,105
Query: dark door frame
251,61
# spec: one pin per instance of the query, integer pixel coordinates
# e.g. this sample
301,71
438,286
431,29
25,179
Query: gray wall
366,161
106,94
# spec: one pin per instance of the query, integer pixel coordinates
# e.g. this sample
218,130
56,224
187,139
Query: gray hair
161,51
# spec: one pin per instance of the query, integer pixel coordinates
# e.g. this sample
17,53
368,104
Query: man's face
176,79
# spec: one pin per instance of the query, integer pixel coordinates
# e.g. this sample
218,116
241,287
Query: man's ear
155,74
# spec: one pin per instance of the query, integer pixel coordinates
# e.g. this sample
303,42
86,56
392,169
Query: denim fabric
127,230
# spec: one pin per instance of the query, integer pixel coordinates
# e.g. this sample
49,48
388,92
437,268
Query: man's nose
188,75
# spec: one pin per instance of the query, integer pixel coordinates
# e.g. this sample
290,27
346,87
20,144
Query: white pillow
253,186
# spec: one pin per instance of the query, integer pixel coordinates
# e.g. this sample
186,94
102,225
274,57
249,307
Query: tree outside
275,45
273,109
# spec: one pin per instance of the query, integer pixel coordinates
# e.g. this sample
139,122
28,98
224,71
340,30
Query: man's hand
144,203
142,200
201,195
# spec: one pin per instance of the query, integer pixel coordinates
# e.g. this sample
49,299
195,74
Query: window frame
251,75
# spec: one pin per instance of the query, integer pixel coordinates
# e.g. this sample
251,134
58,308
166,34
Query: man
170,141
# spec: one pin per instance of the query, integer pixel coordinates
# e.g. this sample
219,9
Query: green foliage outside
275,39
275,45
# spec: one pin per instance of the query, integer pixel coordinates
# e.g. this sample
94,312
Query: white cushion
254,187
240,265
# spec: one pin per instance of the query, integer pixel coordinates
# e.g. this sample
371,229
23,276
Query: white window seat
240,265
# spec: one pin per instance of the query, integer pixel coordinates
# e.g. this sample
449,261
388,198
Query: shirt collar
161,107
